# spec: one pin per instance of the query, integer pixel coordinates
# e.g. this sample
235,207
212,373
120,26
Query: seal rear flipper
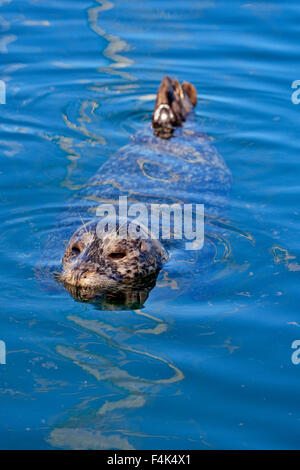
173,103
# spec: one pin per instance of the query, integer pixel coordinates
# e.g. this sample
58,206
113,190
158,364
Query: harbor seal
178,164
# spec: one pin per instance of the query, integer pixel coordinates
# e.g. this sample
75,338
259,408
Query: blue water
209,371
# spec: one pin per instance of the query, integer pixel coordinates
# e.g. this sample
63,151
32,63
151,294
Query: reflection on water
281,255
85,114
127,296
115,44
94,426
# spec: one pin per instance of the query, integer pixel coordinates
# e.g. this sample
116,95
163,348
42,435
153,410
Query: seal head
111,255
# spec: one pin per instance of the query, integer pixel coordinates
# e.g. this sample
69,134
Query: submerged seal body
184,169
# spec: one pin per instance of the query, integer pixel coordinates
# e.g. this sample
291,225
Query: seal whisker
84,224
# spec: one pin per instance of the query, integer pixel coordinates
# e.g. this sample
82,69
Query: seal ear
190,91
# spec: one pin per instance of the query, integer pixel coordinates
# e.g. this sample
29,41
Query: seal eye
75,251
117,255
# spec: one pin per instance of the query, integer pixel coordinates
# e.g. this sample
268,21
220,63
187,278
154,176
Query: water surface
206,371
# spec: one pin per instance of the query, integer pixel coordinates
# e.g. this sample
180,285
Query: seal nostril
117,255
